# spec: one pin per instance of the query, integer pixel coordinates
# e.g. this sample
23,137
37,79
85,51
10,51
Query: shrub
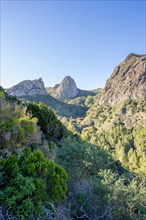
28,183
47,120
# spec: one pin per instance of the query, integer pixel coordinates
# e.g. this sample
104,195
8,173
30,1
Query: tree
47,120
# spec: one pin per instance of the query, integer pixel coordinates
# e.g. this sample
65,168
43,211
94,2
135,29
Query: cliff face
66,89
28,88
126,82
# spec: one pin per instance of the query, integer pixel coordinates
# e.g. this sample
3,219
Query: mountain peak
67,89
68,78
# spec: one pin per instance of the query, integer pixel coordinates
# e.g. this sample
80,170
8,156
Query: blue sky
83,39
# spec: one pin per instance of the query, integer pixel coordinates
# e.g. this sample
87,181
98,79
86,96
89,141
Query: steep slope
28,88
126,82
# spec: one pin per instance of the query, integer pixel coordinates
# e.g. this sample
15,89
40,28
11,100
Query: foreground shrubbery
30,181
27,178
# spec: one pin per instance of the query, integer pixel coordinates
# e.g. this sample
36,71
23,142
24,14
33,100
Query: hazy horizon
85,40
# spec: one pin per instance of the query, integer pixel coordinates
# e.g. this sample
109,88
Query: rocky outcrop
28,88
127,81
66,89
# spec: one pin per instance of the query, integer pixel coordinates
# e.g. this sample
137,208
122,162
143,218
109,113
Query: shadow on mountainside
63,109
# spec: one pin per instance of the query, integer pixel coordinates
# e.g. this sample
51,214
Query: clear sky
83,39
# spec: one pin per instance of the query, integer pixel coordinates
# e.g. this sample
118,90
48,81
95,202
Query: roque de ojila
68,154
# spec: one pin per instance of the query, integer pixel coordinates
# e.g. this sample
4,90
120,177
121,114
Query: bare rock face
28,88
66,89
127,81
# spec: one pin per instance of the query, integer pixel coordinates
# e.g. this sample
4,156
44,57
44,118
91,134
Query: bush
47,120
28,183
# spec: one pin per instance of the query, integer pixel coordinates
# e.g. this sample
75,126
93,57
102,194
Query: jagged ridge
28,88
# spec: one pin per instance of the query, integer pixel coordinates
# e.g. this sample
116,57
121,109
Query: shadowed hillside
59,107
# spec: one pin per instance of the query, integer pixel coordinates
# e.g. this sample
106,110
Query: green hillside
93,169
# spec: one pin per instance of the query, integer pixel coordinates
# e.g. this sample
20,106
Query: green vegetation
100,187
29,182
16,128
96,170
47,120
120,131
28,179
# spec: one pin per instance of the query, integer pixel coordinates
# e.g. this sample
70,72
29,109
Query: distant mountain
127,81
34,90
28,88
67,89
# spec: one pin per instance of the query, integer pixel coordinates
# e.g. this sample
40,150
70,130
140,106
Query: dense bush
47,120
17,128
27,183
27,179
